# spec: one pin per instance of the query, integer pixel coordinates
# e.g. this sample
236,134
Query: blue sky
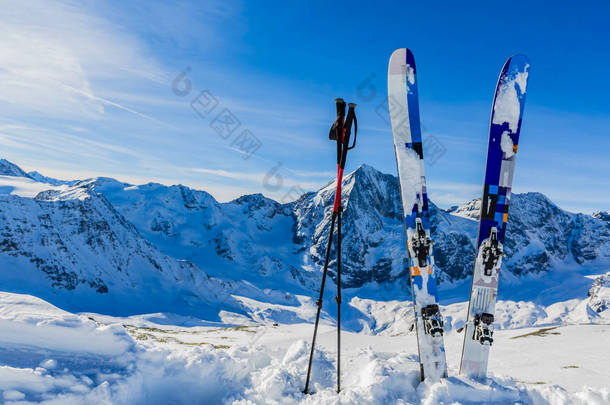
87,91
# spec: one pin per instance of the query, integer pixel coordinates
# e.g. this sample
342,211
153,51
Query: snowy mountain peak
470,210
10,169
81,189
102,184
367,170
257,199
367,173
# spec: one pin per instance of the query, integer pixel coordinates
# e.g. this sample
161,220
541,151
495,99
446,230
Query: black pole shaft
338,298
319,303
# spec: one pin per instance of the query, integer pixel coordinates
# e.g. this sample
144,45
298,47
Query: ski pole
340,132
336,128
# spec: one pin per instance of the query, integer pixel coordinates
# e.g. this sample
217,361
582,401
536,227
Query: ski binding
483,328
490,255
420,244
433,321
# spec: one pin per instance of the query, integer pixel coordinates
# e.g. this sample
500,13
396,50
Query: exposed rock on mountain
599,294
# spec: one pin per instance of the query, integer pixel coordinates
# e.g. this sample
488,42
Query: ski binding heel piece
433,322
483,328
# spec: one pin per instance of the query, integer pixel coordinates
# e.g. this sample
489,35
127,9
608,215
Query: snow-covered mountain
101,237
249,238
281,246
540,234
73,247
373,231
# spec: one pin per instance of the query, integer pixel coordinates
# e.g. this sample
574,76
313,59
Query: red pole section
340,165
338,192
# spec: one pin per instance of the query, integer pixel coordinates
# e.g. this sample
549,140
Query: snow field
50,356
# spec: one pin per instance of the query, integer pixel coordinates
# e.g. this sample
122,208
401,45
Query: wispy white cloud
53,53
235,175
270,176
46,138
310,173
457,186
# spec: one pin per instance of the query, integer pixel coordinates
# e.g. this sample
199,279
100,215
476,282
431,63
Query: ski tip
519,57
399,54
518,60
399,58
516,64
411,60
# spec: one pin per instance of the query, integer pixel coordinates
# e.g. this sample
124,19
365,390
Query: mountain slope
10,169
245,239
540,235
75,247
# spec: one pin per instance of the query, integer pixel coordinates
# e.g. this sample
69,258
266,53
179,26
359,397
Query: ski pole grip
336,131
340,106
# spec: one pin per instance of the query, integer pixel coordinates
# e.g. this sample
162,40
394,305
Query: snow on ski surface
506,143
51,356
507,106
409,162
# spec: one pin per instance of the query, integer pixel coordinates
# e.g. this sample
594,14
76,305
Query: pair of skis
504,131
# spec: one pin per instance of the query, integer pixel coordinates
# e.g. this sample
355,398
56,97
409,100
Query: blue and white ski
506,115
404,117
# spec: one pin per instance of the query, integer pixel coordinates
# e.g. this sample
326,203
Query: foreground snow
53,357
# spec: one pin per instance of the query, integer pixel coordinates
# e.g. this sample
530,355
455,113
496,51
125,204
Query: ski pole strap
347,128
351,117
338,129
